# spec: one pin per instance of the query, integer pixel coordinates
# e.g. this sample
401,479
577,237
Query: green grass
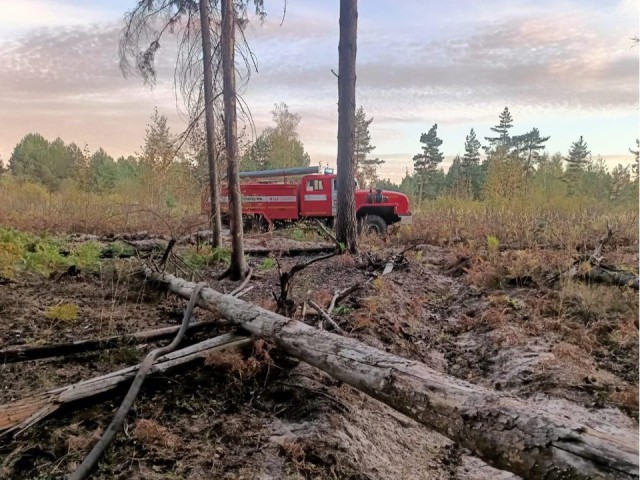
43,254
205,256
267,264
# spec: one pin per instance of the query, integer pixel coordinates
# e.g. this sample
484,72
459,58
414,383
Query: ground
494,318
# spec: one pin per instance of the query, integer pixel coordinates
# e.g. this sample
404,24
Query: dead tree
238,268
346,214
192,23
207,55
508,433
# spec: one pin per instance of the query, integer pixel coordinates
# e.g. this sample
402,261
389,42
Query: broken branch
20,353
324,315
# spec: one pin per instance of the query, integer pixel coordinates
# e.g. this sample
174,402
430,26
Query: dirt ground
262,416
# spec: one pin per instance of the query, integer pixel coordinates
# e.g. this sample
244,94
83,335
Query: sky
567,67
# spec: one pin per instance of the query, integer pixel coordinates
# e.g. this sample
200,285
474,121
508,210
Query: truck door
316,197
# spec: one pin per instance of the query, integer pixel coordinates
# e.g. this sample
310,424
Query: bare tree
190,22
346,215
238,268
214,193
196,26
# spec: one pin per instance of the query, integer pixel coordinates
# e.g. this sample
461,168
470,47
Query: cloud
24,15
459,67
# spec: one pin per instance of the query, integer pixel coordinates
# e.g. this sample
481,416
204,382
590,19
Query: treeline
56,165
515,164
168,166
166,162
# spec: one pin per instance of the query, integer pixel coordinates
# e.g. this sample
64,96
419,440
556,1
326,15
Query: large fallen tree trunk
19,353
506,432
23,413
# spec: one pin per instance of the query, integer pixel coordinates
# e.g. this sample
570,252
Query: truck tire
254,224
372,224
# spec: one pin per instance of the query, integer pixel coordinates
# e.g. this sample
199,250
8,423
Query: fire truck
274,198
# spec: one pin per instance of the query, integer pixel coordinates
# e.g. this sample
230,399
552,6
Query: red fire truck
305,192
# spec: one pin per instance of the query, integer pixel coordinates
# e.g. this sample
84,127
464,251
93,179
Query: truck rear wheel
255,224
372,224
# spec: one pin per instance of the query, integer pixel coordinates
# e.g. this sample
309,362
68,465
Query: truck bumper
406,219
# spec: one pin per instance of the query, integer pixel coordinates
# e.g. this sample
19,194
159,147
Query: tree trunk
207,58
238,268
20,353
528,439
346,214
25,412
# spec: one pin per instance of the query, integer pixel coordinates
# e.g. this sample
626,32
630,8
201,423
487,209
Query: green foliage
386,184
43,255
103,172
158,151
342,310
267,264
577,159
528,147
366,168
635,167
118,249
205,256
493,244
86,256
502,139
36,159
279,146
425,164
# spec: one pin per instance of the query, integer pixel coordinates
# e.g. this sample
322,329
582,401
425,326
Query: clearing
497,317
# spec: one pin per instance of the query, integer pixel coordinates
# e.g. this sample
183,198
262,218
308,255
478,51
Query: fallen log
591,269
22,414
506,432
20,353
592,273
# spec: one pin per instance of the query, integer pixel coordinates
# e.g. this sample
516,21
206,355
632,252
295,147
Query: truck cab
375,209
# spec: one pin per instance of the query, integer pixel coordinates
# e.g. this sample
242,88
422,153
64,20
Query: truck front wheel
372,224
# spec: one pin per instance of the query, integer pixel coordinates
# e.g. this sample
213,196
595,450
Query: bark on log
602,274
20,353
505,432
22,414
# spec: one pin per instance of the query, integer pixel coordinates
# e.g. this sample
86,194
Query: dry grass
30,207
235,363
151,434
524,222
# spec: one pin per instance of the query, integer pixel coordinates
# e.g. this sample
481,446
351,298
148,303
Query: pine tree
470,161
453,180
366,168
502,129
620,179
102,172
346,172
636,164
426,163
578,156
527,148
